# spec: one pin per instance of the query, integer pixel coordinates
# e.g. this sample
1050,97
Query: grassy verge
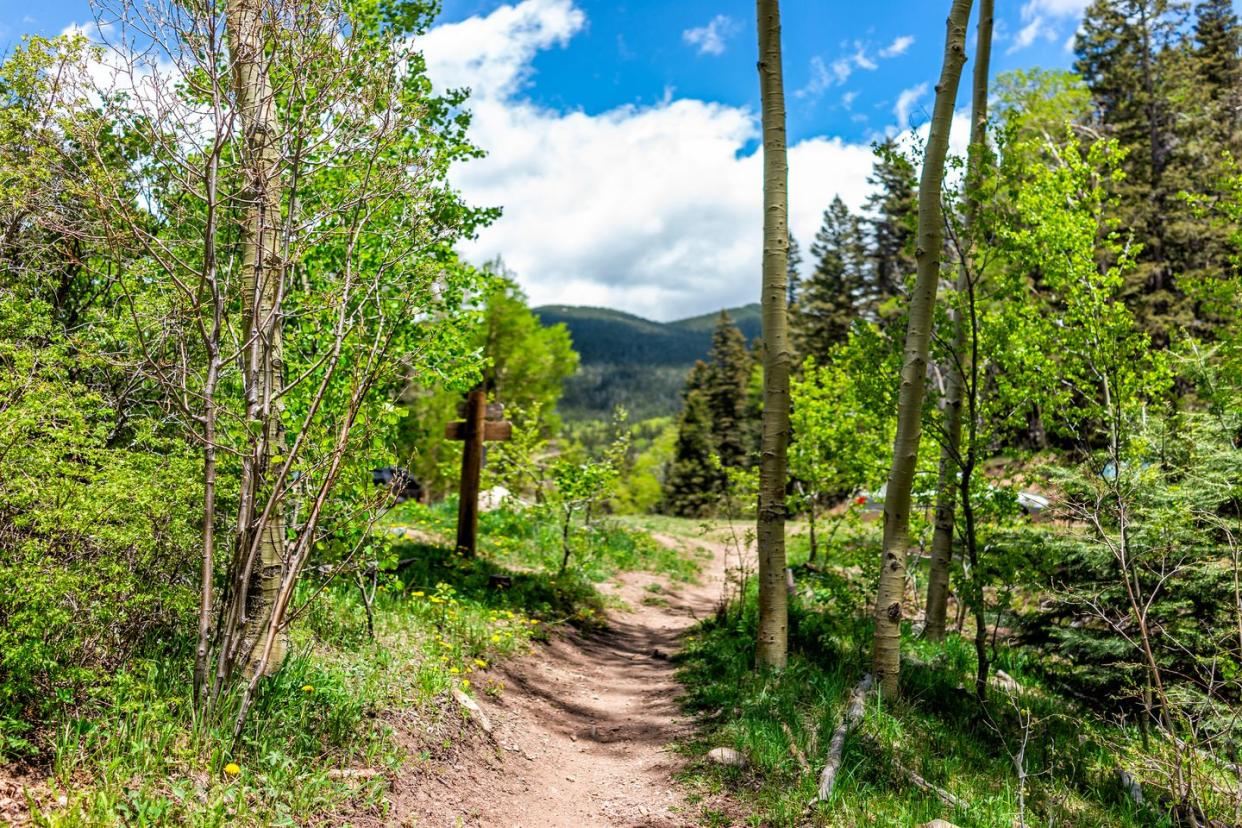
528,540
1069,758
132,754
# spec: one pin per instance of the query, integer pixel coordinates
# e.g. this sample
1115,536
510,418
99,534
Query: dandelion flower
478,662
454,670
232,769
465,684
307,688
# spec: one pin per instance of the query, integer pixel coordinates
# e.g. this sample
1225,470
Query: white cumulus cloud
653,209
710,39
492,55
899,46
827,75
1055,8
907,100
1041,19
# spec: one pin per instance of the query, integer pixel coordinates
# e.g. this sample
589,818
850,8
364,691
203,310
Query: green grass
937,729
530,541
133,755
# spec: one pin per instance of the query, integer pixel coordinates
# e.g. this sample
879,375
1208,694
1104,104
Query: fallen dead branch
853,713
354,773
946,798
793,749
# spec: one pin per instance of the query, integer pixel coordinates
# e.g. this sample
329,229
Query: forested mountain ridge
635,362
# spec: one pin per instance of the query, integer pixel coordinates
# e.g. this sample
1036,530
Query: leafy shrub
96,545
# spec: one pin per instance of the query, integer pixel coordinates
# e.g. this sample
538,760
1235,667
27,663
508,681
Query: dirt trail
584,723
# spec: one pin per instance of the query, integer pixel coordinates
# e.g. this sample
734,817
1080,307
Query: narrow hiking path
583,726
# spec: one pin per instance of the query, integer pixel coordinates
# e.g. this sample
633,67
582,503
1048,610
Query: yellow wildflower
306,688
478,662
232,769
465,684
454,670
419,594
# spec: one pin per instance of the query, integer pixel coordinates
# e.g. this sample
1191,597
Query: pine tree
793,275
1218,44
891,218
1129,52
833,295
695,481
727,377
1208,127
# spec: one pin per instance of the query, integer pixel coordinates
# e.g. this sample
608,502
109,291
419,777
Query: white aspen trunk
772,644
262,291
886,654
950,451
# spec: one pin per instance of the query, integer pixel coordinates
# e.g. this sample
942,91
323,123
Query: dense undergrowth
1030,753
126,750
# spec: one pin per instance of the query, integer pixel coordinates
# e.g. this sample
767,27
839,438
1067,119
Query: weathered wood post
479,422
471,469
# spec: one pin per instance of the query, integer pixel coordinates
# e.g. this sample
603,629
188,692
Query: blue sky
622,137
637,52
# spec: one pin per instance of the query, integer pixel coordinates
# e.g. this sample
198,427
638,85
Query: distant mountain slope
631,361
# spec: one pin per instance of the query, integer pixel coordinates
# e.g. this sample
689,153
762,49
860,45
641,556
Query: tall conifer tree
833,296
891,222
794,270
1218,43
1128,52
727,379
694,482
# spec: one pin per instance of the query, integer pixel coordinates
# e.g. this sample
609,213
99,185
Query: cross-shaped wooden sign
480,421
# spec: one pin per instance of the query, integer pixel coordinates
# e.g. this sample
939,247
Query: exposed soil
583,727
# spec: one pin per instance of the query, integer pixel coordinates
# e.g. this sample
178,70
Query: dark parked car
400,481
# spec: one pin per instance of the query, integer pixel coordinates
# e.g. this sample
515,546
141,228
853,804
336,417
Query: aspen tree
772,644
950,450
886,654
261,548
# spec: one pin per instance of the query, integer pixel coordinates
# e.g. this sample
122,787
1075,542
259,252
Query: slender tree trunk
262,294
969,462
566,519
773,631
886,654
814,540
210,283
950,450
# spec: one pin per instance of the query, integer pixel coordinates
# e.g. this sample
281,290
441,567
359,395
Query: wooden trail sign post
480,421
